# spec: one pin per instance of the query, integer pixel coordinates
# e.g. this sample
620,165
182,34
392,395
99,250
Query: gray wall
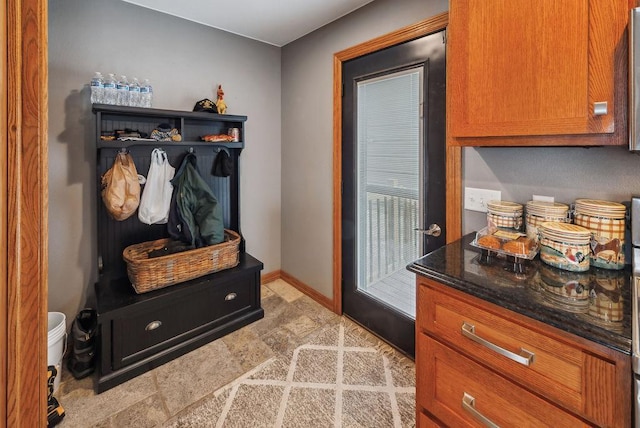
307,131
286,176
185,62
566,173
307,95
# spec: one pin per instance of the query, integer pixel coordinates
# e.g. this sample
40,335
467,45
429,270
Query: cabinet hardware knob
525,357
153,325
600,109
230,296
469,404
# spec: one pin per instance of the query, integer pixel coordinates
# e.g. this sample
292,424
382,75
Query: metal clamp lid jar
504,215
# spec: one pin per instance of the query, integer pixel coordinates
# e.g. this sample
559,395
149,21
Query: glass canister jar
606,221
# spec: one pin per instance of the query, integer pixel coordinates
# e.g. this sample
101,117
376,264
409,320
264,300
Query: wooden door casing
23,214
453,154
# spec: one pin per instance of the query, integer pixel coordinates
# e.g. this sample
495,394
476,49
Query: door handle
434,230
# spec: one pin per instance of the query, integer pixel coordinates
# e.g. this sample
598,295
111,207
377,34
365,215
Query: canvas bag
156,195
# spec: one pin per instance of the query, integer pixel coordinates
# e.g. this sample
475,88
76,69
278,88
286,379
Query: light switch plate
476,199
543,198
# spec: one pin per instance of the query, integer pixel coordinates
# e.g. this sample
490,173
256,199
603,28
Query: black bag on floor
81,363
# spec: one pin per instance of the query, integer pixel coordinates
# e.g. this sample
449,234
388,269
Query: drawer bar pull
469,404
153,325
525,358
230,296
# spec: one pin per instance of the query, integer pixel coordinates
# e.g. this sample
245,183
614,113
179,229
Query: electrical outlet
476,199
543,198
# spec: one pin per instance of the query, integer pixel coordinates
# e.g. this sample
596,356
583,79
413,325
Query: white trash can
57,343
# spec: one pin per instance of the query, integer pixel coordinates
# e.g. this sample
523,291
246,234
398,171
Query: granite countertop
536,291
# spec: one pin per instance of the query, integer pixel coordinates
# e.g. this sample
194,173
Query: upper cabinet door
542,68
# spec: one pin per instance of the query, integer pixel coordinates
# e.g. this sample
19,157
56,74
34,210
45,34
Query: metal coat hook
124,150
191,150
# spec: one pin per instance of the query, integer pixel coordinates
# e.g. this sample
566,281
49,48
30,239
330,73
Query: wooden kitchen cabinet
537,73
475,359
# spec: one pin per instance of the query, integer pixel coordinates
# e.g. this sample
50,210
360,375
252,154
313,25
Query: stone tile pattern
271,372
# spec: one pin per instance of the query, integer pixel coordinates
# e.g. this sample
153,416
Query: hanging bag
156,195
120,188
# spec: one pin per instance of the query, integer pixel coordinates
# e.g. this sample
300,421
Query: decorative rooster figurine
220,104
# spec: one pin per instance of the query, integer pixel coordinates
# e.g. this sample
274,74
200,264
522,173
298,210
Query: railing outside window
391,239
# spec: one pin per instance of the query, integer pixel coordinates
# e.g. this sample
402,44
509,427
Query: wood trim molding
309,291
299,285
454,170
23,211
268,277
4,255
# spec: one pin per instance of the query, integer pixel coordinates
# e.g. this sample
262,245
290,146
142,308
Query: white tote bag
156,195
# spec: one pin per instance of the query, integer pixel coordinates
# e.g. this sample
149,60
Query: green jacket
199,219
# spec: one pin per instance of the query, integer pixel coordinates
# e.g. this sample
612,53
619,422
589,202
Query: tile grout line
165,407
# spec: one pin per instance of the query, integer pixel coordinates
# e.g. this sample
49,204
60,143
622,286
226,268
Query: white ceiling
276,22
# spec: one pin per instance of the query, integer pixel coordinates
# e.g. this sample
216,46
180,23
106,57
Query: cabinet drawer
156,327
558,370
460,392
425,421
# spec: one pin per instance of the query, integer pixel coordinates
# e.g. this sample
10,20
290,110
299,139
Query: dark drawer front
159,326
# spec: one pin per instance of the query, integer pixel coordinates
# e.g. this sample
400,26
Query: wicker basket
148,274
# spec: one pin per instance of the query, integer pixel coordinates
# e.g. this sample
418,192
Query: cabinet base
108,381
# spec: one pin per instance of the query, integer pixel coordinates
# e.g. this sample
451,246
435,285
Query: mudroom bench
138,332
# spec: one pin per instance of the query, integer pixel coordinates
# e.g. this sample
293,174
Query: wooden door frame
453,154
23,214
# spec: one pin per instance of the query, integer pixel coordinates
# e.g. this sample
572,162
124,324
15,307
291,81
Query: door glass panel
389,177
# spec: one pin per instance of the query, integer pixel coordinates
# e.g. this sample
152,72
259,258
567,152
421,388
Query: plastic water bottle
122,91
134,93
144,91
97,89
110,91
146,94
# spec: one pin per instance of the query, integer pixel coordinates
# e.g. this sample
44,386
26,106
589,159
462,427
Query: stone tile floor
171,391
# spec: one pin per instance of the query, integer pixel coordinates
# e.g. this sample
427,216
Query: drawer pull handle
230,296
525,357
153,325
469,404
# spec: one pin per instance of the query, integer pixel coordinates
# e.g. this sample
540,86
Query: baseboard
270,276
304,288
299,285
